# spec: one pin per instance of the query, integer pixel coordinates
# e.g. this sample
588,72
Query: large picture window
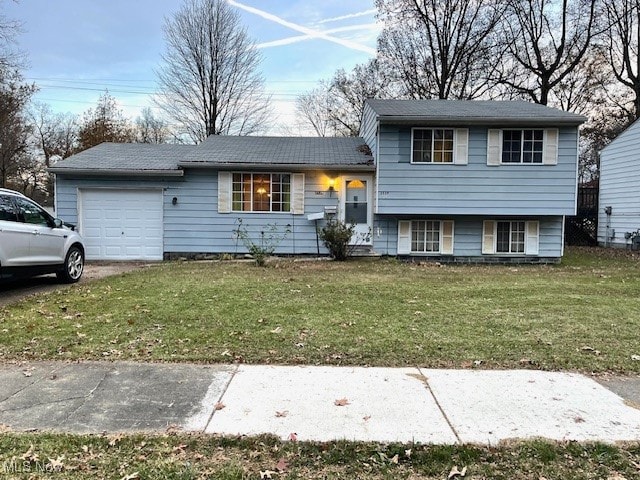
261,192
522,146
432,145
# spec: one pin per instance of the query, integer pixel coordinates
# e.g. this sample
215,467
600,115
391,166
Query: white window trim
296,193
531,238
407,237
454,152
550,147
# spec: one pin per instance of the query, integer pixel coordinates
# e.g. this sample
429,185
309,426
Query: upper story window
522,146
261,192
432,145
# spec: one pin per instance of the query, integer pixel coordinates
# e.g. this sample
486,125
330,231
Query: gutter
277,166
483,121
115,172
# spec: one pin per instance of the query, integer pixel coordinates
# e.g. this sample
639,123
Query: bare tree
334,108
439,48
209,80
9,57
623,45
151,129
55,135
545,40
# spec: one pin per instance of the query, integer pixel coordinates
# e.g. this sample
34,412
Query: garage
121,224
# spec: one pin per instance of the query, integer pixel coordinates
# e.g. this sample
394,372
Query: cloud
350,15
302,38
307,31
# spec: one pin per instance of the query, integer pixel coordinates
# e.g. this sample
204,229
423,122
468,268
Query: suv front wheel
73,266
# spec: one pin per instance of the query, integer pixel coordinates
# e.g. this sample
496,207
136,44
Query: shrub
268,240
336,236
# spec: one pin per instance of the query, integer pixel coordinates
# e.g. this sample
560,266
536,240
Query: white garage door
122,224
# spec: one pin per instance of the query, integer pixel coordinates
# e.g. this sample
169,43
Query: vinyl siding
467,235
476,188
369,127
194,225
620,187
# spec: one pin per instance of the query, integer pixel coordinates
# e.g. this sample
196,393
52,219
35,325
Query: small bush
336,236
268,240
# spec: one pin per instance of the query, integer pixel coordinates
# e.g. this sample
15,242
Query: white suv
32,242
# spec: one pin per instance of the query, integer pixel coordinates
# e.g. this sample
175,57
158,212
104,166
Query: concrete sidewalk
315,403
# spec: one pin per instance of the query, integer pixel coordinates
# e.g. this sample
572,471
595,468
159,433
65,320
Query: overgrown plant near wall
336,236
264,244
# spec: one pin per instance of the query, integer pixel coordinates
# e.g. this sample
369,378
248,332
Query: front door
356,207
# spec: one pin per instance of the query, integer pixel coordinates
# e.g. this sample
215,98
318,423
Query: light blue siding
467,235
194,225
369,127
620,188
473,189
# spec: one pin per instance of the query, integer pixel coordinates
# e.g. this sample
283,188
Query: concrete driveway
11,292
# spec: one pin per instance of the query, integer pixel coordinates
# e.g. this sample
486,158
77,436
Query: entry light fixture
332,186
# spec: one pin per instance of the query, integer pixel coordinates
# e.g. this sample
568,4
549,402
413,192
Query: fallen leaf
113,440
590,350
282,465
267,473
394,459
457,473
293,437
635,357
407,453
284,413
341,402
367,418
131,476
56,464
219,406
477,363
179,448
276,330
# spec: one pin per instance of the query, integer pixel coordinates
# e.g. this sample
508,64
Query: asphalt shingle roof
471,111
108,157
304,151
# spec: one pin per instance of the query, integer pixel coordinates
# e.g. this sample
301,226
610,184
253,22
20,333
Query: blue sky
78,48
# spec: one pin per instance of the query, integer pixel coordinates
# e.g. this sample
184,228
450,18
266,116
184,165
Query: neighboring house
446,179
619,196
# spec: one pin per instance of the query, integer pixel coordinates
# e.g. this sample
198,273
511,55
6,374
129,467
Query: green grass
197,456
581,315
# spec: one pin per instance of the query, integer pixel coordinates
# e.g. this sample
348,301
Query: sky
76,49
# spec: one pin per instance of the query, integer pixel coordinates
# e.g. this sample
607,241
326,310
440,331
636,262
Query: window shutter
224,192
404,237
532,242
297,193
494,147
550,147
488,237
447,238
461,155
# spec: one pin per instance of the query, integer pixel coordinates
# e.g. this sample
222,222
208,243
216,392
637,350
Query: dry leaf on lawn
219,406
267,473
293,437
282,465
457,473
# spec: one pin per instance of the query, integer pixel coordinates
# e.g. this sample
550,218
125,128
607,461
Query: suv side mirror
57,223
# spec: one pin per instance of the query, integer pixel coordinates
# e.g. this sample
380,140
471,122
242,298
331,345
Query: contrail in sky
307,31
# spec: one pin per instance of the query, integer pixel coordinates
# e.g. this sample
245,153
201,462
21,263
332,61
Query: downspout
608,234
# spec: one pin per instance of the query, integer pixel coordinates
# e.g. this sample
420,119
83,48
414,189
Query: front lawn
199,456
581,315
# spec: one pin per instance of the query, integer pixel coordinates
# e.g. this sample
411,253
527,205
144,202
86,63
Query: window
31,213
432,145
522,146
7,211
416,237
510,237
425,236
261,192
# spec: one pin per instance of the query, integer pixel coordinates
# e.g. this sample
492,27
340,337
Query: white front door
356,207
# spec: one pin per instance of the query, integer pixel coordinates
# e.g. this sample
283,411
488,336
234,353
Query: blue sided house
444,179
